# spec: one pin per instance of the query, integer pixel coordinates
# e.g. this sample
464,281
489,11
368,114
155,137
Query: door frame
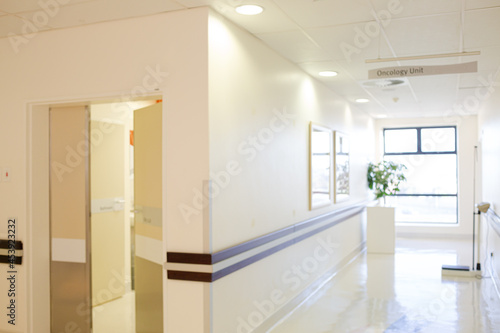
38,256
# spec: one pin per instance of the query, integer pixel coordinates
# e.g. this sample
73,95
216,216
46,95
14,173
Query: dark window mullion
424,195
419,140
424,153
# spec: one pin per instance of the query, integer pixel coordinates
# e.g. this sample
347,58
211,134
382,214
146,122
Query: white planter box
380,230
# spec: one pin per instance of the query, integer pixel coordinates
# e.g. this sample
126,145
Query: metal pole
473,239
478,265
474,212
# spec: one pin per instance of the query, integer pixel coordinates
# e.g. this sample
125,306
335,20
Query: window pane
321,173
428,174
342,144
400,141
321,142
438,139
342,173
320,179
424,209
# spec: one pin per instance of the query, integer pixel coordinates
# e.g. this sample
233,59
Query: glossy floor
115,316
401,293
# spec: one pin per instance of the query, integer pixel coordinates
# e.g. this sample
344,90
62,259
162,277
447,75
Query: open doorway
120,301
100,217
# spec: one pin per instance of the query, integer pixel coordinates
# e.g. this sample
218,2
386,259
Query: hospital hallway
404,293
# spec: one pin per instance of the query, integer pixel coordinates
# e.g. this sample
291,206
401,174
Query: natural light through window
430,194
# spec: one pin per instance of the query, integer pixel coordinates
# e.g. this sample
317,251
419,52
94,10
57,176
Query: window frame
331,185
420,152
419,140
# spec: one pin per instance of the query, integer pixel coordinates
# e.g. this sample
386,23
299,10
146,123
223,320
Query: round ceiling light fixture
362,100
249,9
384,83
328,73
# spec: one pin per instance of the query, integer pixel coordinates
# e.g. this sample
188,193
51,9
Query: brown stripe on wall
210,259
8,260
5,244
190,276
190,258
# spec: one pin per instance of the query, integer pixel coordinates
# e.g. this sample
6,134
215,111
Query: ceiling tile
295,46
312,14
398,101
435,85
313,68
476,80
16,6
371,108
475,4
467,102
436,94
409,8
10,24
101,11
425,35
489,58
481,28
271,20
199,3
350,42
348,88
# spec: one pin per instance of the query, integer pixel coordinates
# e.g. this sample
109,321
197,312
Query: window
430,194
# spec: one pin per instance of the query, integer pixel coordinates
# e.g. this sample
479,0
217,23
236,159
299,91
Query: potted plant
384,179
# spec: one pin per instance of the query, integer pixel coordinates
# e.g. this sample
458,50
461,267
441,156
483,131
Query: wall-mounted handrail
254,250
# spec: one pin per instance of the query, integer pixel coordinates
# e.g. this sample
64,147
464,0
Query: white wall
489,138
114,60
467,139
249,85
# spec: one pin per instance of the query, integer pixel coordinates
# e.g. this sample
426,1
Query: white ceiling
310,33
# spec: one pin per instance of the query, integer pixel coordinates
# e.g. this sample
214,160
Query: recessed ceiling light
362,100
328,73
249,9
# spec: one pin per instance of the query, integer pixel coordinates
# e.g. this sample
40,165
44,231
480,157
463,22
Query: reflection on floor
401,293
115,316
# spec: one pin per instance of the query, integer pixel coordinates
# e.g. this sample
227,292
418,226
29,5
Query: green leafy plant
385,177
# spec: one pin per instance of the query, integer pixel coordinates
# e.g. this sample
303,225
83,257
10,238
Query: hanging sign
409,71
